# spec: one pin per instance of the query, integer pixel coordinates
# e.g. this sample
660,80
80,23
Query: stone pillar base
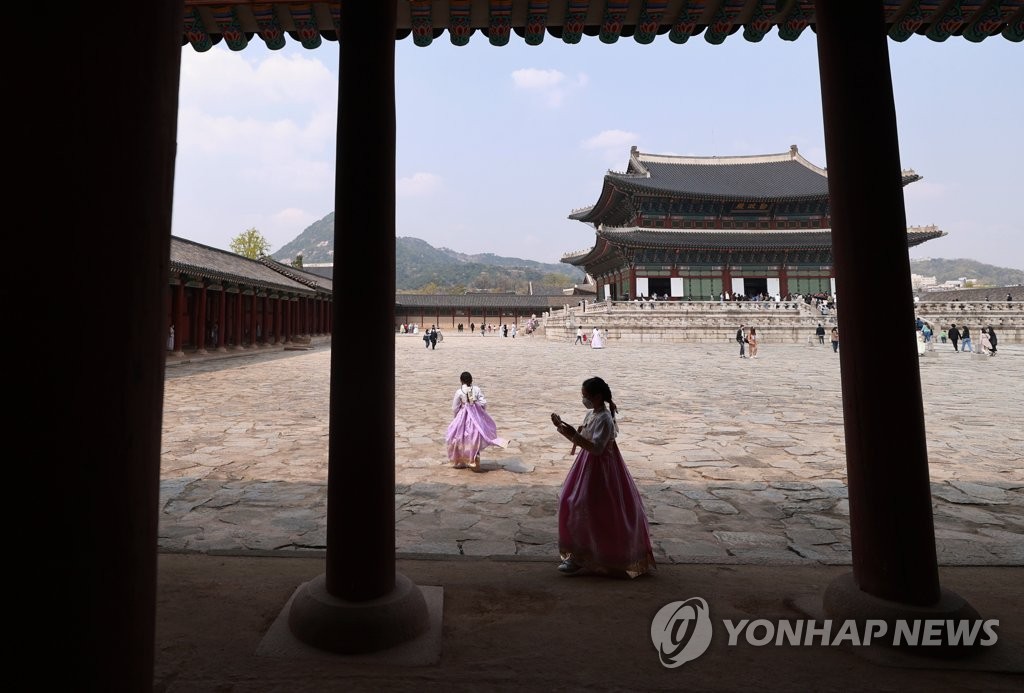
326,622
845,600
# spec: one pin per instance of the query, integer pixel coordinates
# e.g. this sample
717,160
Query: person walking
954,336
965,340
820,332
597,339
835,339
471,429
741,337
433,337
986,342
579,336
752,342
993,340
602,525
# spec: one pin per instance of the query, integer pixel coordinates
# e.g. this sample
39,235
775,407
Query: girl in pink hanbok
471,429
602,526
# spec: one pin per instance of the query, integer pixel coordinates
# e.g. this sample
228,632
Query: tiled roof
202,261
609,240
741,240
768,177
311,279
785,177
240,23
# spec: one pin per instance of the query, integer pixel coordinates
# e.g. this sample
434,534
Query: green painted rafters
236,22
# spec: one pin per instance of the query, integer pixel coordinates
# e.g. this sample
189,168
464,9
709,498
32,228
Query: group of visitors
958,336
431,337
597,338
602,524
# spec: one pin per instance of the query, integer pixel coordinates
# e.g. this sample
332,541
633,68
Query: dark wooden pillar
179,316
361,602
252,319
892,535
120,115
201,321
222,326
276,311
361,505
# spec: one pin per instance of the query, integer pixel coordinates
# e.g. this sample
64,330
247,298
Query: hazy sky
496,146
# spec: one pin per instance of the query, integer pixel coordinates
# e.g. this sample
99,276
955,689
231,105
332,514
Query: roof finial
793,151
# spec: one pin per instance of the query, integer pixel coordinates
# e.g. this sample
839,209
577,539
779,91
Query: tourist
741,337
597,339
579,336
820,332
602,526
993,340
986,342
472,429
433,337
513,331
965,340
954,336
426,339
752,341
835,339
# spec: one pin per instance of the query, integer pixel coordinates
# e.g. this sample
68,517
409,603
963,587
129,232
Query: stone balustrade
780,322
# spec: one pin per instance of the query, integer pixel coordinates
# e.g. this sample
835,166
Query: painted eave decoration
239,22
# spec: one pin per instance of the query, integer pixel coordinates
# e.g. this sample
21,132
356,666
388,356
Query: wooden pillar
361,600
252,319
179,316
892,535
222,325
120,115
201,321
237,319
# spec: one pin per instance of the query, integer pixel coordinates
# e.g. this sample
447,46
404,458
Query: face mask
588,404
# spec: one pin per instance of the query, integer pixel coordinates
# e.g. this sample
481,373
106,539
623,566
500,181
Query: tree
297,262
251,244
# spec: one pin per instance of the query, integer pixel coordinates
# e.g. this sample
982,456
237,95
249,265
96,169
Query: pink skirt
601,520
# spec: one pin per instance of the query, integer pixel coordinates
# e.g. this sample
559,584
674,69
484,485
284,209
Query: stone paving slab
738,460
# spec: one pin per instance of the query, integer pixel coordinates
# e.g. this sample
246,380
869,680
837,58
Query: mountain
979,273
422,268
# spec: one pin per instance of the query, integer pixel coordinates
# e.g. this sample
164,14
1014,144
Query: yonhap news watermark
681,632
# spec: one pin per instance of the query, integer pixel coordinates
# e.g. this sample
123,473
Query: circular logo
681,631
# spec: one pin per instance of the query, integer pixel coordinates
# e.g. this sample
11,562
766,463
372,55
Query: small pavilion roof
764,177
239,22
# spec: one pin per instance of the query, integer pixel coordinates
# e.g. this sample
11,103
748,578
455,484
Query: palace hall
699,227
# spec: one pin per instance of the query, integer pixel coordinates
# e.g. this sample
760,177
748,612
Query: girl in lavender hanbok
602,526
472,429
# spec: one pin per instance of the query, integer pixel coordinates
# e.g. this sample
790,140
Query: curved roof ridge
792,155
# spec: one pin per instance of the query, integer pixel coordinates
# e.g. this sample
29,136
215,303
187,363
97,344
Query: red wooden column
362,603
892,534
121,115
222,324
276,311
179,316
238,320
252,319
201,321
